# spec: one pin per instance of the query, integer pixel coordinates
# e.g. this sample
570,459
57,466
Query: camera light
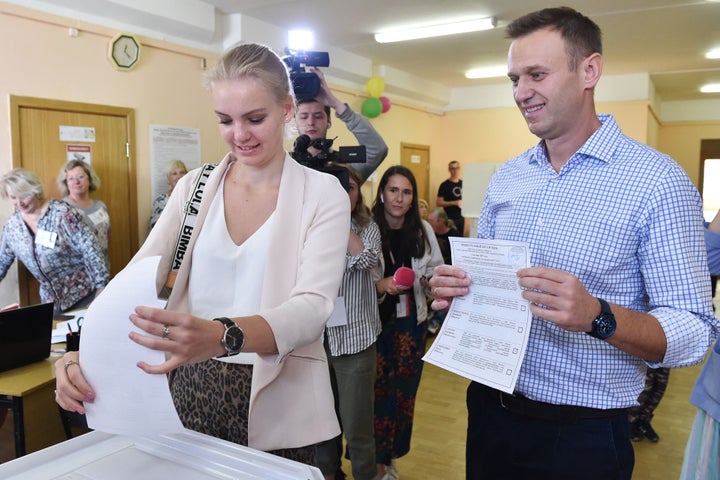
300,40
487,72
436,30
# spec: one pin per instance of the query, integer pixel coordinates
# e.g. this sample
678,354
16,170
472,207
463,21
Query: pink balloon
386,103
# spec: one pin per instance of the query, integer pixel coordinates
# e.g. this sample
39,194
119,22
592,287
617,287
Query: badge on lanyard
45,238
402,309
99,217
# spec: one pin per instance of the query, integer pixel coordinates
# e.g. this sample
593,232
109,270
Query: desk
29,392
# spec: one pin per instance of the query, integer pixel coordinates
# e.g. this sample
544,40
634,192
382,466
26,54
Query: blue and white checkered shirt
627,221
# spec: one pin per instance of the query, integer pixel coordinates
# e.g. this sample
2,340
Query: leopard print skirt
213,397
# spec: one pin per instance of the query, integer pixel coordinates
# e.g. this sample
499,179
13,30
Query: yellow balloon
375,86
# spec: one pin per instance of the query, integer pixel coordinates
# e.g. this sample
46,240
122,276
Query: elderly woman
176,170
76,181
53,242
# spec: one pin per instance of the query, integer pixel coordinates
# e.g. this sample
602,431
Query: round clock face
124,51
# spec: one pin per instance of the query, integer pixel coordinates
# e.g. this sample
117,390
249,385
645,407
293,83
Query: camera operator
313,119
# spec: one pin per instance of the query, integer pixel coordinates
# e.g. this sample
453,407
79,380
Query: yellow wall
682,142
40,59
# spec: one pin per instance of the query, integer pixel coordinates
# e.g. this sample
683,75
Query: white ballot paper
485,332
128,401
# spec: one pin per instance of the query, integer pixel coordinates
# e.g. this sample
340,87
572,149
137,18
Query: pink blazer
291,402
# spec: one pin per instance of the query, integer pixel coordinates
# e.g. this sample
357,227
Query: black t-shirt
451,191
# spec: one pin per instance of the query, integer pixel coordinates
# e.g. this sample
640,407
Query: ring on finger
165,331
69,363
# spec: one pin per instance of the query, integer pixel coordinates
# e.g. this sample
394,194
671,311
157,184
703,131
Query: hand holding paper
128,400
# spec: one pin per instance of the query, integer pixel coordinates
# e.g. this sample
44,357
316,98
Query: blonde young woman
260,277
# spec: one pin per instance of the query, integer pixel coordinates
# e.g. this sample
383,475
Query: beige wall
682,142
41,59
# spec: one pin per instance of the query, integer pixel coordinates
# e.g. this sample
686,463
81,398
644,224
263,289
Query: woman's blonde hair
257,61
89,171
21,183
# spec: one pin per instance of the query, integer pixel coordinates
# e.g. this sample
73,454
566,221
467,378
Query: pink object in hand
404,278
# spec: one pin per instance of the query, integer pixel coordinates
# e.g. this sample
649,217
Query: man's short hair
327,107
582,36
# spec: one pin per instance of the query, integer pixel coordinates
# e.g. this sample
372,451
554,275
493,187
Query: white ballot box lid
183,456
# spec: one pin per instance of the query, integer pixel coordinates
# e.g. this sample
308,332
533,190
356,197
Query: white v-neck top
226,279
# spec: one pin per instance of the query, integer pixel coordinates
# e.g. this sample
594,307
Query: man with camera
313,119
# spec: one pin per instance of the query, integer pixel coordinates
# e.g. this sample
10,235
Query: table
29,392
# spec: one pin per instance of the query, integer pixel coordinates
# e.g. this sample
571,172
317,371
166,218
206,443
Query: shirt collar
594,147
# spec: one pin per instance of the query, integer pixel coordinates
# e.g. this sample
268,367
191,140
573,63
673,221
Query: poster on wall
168,144
79,152
76,134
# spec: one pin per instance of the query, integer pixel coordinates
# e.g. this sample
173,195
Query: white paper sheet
128,401
485,332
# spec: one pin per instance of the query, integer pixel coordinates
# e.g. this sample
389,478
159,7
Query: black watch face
234,339
604,326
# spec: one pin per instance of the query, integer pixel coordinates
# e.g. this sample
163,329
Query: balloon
386,104
372,107
375,86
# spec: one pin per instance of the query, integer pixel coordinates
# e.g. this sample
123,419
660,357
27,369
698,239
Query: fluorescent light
300,40
487,72
436,30
710,88
713,54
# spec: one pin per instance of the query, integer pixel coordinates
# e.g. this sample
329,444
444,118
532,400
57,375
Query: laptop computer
25,335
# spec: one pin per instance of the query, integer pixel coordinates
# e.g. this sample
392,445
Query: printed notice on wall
167,144
485,333
76,134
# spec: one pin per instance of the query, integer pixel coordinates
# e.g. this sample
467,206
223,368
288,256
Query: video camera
320,161
306,85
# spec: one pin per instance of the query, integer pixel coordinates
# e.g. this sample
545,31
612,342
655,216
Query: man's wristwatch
604,325
233,339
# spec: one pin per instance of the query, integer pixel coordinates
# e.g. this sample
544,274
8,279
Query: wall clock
124,51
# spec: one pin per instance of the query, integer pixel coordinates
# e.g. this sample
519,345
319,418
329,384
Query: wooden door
417,159
39,146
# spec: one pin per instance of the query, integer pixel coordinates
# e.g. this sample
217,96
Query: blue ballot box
182,456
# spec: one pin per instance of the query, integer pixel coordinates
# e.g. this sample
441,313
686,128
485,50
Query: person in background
424,208
702,453
313,119
449,196
53,241
242,330
444,228
640,416
76,180
175,171
352,346
610,296
407,241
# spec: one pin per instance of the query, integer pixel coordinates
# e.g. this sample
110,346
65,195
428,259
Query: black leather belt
523,406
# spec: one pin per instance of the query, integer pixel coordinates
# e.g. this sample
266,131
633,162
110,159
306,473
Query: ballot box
181,456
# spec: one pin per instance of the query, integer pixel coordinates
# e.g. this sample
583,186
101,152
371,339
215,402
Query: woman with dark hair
407,241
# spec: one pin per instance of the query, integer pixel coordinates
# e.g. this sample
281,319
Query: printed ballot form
485,332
